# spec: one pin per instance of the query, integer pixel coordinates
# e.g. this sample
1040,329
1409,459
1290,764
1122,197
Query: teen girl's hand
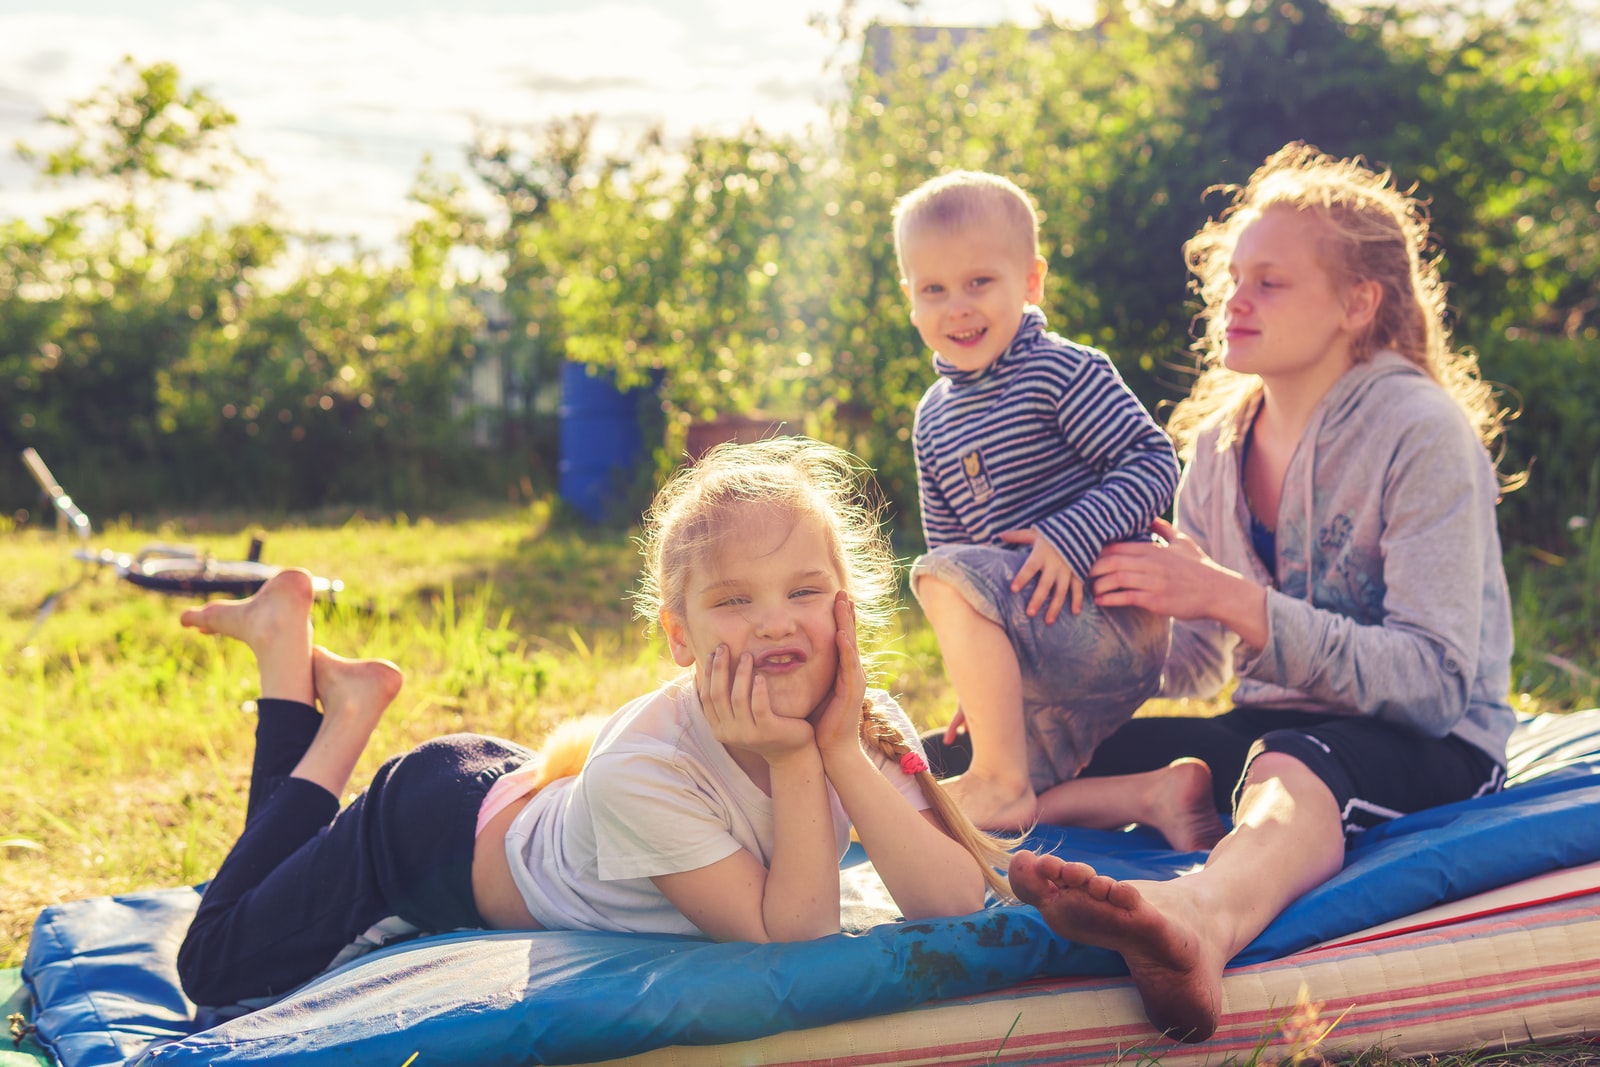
838,724
1058,585
739,712
1175,577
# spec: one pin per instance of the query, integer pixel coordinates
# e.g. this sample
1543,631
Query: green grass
1556,599
125,740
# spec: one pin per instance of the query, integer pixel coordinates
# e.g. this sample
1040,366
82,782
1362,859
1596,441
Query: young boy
1032,455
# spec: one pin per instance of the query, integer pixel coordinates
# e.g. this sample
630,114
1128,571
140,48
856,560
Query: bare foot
1184,810
359,690
1156,930
282,600
276,623
354,695
993,804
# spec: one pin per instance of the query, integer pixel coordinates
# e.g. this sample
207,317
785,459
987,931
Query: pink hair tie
913,763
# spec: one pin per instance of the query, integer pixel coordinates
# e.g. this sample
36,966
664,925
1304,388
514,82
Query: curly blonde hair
1369,231
691,514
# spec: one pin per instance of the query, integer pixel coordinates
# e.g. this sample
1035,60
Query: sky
341,100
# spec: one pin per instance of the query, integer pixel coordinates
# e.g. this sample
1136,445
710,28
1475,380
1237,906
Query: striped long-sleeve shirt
1047,436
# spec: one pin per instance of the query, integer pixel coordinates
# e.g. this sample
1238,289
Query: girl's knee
1266,765
1288,774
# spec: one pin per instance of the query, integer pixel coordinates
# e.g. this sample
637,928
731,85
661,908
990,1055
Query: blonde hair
691,516
1370,231
962,198
992,851
566,749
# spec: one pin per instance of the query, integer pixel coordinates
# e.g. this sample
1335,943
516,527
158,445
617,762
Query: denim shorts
1083,675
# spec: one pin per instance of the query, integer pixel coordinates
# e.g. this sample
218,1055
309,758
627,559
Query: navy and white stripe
1047,436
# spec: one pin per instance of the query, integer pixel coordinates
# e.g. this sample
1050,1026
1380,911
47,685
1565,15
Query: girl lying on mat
718,805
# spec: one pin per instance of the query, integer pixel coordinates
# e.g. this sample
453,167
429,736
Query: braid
880,733
992,851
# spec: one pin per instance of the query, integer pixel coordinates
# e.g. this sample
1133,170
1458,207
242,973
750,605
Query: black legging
305,878
1222,741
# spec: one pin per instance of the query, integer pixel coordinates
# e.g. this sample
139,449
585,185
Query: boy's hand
1057,583
956,727
838,724
739,712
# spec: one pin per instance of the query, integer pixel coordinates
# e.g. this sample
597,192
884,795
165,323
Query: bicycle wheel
188,575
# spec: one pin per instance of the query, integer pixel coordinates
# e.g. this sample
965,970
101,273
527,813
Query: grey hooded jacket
1391,600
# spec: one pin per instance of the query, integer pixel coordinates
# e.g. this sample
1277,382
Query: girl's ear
1361,305
677,639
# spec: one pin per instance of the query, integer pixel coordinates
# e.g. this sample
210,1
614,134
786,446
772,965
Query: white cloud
341,99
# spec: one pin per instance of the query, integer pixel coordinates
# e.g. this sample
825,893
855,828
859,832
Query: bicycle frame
165,568
68,514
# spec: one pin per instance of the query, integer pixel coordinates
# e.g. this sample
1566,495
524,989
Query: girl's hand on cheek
736,706
839,721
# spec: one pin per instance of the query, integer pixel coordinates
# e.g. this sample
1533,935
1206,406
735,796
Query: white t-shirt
659,795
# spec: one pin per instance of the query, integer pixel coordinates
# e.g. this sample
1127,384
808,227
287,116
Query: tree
143,132
694,269
1509,162
532,175
157,368
103,295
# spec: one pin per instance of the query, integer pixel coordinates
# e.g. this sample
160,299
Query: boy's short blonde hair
962,197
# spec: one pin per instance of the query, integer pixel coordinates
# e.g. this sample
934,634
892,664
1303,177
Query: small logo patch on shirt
977,477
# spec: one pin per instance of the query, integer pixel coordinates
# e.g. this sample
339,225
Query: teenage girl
1335,551
719,804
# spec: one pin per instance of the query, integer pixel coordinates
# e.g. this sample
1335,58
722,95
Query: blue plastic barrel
601,443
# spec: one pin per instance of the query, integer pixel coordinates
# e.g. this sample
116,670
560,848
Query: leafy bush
750,273
1557,610
1552,385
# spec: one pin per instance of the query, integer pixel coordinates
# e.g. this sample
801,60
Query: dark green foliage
156,371
1552,385
749,273
1120,131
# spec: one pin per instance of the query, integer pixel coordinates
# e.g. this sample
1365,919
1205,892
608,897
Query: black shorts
1375,770
1379,772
